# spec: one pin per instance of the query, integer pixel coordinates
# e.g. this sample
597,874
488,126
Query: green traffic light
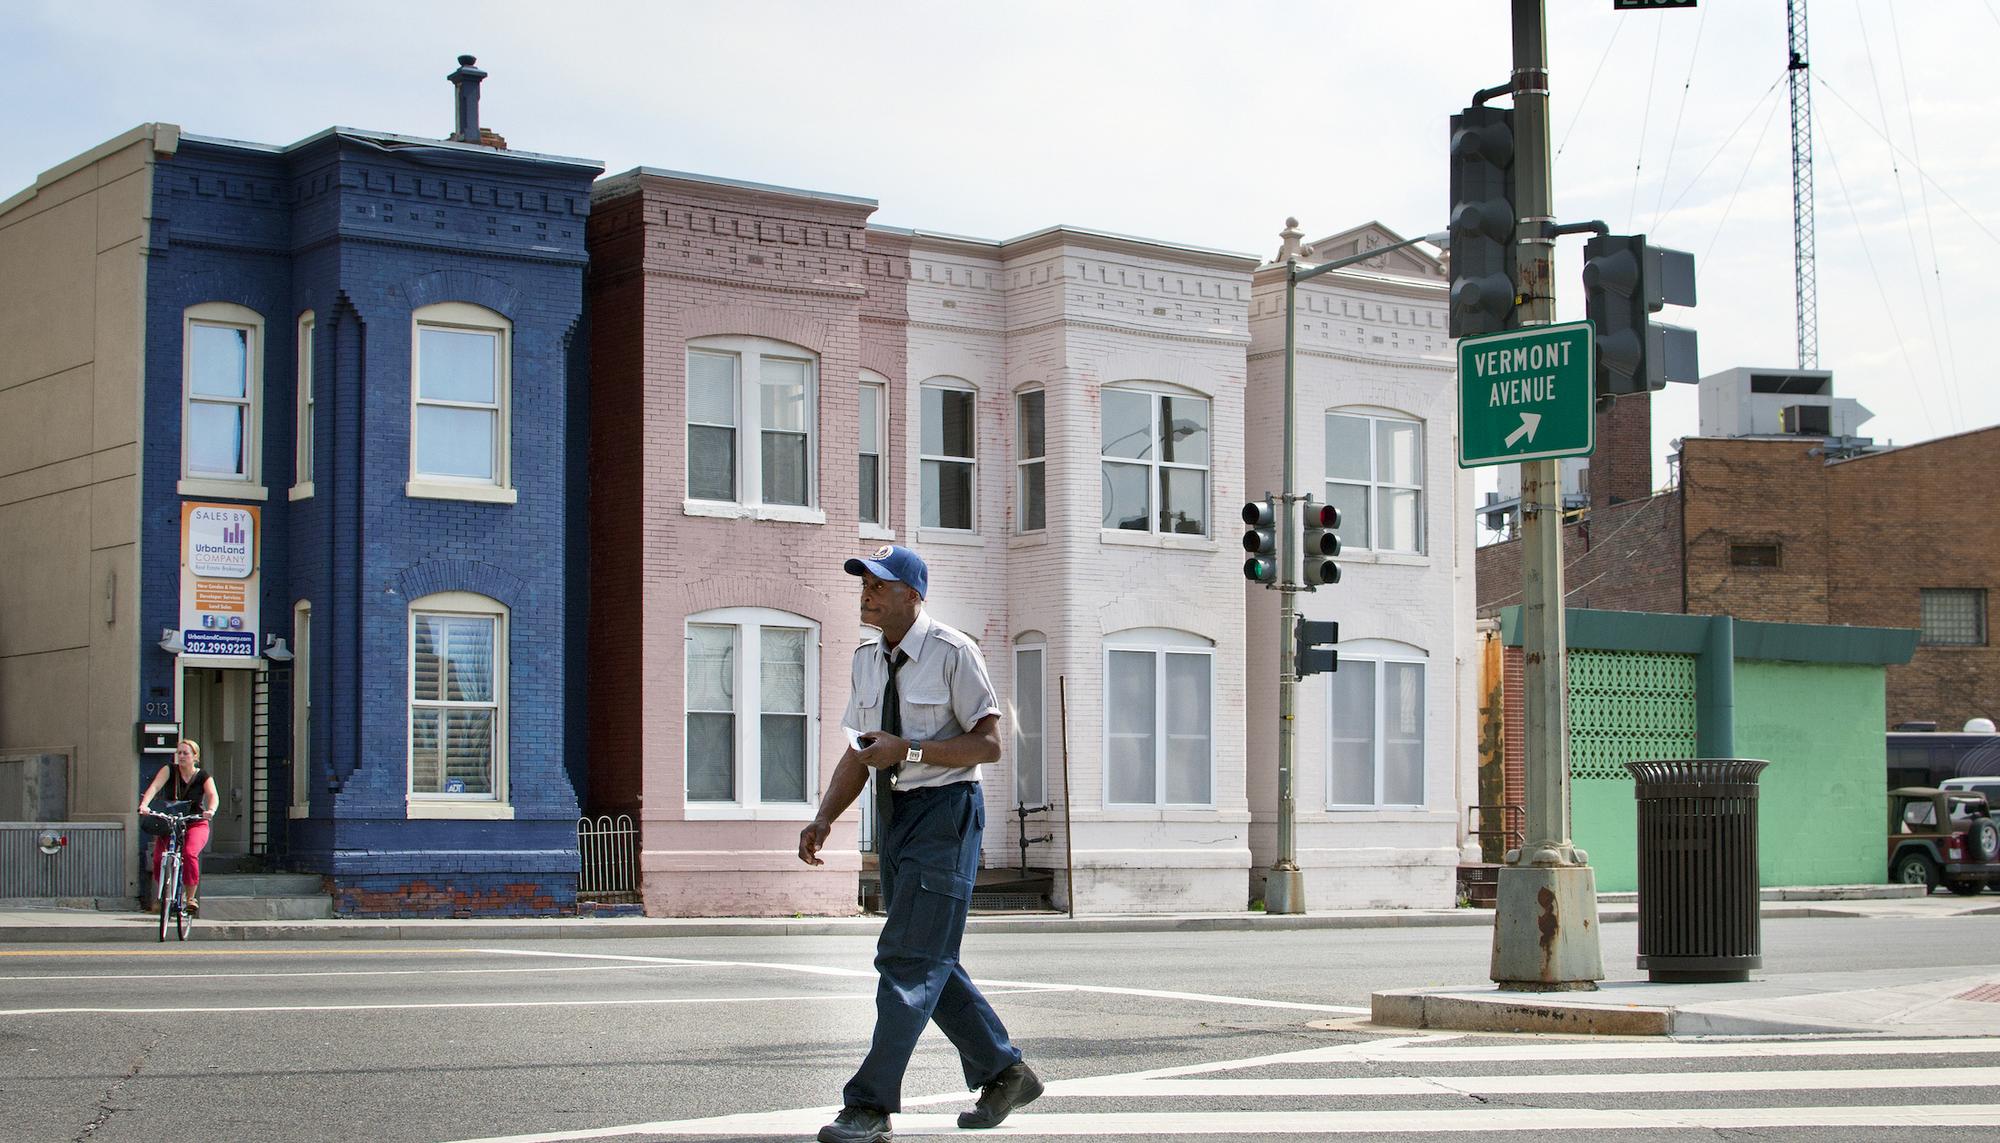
1259,570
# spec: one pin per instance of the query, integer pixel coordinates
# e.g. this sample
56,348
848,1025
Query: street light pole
1284,884
1545,918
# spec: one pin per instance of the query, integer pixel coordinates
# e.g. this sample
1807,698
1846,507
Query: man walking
927,717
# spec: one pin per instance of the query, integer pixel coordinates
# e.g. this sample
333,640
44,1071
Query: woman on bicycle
185,782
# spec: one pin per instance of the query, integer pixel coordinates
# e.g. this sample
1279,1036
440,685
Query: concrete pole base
1545,929
1285,891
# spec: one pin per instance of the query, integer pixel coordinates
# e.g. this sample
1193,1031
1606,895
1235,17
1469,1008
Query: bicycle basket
158,827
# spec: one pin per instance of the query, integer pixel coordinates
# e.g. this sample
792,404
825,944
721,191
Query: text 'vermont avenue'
1521,390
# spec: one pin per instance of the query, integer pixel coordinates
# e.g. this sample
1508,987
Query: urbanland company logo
221,543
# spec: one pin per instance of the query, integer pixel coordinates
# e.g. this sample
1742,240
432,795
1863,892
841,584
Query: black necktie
892,723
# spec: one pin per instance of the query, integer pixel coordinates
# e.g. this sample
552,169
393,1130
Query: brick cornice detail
753,321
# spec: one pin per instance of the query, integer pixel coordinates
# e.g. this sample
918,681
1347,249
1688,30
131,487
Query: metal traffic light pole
1545,920
1284,884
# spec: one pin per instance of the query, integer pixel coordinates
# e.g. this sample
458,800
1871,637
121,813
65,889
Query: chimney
466,80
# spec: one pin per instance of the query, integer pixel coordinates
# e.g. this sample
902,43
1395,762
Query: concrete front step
262,884
264,897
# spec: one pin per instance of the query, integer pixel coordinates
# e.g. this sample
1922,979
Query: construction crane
1800,75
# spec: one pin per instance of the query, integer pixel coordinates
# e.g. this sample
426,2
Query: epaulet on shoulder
953,636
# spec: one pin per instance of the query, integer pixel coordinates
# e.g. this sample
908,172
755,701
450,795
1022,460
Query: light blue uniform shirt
944,689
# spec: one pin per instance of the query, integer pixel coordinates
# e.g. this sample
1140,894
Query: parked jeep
1942,837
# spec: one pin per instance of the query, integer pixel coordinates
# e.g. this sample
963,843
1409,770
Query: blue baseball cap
892,561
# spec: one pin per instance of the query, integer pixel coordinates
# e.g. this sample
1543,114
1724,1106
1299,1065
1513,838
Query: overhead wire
1820,82
1861,238
1749,161
1720,148
1930,231
1909,228
1645,117
1674,139
1616,26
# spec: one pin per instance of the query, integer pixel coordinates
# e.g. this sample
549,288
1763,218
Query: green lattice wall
1624,706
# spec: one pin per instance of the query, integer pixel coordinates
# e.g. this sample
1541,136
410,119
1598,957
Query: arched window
1031,460
1375,476
222,354
302,720
949,451
1155,449
1159,738
752,412
752,680
1028,719
302,450
874,446
1375,726
458,706
460,403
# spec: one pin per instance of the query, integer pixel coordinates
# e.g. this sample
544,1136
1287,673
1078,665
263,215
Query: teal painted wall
1821,802
1604,820
1823,799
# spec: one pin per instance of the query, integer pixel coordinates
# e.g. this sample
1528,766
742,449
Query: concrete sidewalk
1913,1003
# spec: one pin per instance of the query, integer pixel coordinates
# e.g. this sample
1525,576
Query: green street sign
1527,394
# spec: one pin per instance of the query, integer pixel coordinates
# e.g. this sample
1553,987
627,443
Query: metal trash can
1698,899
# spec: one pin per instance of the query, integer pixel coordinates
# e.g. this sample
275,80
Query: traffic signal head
1626,282
1322,543
1312,650
1482,221
1261,541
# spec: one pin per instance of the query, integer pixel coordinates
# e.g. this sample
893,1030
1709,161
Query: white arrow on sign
1529,423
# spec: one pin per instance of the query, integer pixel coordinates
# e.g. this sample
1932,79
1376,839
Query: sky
1198,123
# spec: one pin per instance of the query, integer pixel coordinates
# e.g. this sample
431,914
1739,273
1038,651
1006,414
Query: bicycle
167,887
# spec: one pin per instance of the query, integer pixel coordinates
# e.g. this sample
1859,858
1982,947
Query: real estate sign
219,566
1527,394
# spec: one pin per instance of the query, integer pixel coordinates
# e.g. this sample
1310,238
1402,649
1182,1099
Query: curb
1419,1008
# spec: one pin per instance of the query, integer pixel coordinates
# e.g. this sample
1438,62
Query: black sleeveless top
187,793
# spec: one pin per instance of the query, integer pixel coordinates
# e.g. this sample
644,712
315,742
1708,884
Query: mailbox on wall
159,737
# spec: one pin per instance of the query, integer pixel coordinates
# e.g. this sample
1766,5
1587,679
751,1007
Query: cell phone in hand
857,740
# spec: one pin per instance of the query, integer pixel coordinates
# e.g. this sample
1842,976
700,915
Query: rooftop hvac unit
1807,420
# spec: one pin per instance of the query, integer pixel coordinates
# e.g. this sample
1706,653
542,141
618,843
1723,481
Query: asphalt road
460,1041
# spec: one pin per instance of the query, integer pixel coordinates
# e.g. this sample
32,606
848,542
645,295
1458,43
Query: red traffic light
1322,516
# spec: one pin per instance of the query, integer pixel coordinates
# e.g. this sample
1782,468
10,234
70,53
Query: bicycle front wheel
170,890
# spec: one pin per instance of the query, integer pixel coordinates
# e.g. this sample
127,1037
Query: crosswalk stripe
1566,1083
1108,1125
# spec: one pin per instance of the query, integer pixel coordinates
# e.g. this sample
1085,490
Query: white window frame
247,485
495,805
1031,645
1374,656
1366,539
1156,397
750,353
971,463
1159,642
749,624
464,317
1023,462
878,528
302,442
301,709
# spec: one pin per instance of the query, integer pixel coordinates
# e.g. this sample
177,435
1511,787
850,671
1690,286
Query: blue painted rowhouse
364,364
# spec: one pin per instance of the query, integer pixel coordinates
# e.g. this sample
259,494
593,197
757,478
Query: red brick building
1761,528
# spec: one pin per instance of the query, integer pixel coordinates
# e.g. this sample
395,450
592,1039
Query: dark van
1928,758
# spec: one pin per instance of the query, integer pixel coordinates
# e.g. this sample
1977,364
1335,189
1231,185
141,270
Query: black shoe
1015,1087
857,1125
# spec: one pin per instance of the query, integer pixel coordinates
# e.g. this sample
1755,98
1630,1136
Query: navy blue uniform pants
928,861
